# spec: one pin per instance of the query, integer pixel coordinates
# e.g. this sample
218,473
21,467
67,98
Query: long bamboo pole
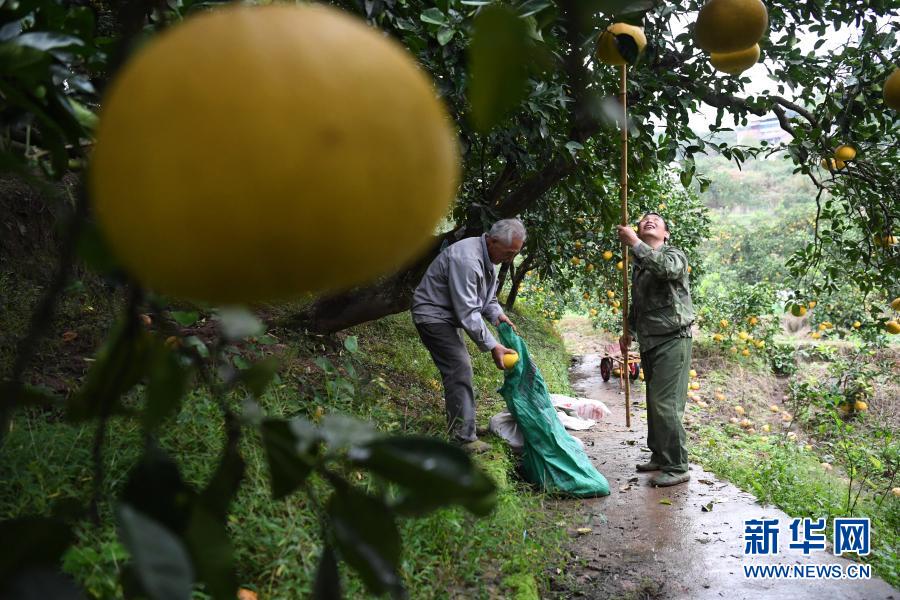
623,196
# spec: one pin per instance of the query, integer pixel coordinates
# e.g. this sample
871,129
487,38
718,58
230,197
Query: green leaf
366,536
573,147
44,40
445,35
325,364
121,363
498,59
258,377
340,432
28,395
351,344
93,249
193,341
532,7
433,16
32,541
166,387
160,559
212,554
155,488
239,323
617,7
223,486
28,64
290,447
328,580
185,318
435,472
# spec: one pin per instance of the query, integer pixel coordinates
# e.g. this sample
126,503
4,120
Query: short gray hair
507,230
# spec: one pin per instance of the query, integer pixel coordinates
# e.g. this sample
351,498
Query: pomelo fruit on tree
832,164
892,90
608,48
256,153
730,25
845,152
735,63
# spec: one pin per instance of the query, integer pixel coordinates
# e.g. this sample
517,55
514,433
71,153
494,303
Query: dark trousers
666,372
448,351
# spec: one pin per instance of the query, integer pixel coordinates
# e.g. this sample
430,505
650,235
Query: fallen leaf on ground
707,507
666,501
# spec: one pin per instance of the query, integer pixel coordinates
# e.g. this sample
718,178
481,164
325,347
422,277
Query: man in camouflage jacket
660,317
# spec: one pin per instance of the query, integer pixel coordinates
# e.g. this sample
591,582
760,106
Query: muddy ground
680,542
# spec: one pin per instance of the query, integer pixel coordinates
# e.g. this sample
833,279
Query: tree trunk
518,276
501,278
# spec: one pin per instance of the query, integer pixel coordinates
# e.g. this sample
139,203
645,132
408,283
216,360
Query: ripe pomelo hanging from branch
735,63
845,152
256,153
892,90
730,25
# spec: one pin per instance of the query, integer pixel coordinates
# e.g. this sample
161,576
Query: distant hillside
760,184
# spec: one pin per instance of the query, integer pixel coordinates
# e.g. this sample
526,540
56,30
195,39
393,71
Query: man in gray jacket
458,293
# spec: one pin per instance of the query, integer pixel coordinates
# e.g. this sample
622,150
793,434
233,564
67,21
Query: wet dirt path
647,542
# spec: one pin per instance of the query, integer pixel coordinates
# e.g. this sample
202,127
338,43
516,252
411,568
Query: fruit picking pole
623,195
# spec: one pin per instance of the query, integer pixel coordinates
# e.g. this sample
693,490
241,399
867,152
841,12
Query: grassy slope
777,468
447,554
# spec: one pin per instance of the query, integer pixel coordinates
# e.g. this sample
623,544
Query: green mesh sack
551,457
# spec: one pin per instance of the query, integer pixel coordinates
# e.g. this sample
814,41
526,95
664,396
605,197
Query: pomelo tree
536,117
545,112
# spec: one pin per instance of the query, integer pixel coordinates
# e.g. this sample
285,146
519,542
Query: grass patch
447,554
787,475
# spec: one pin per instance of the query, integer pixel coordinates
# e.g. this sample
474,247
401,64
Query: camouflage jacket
661,306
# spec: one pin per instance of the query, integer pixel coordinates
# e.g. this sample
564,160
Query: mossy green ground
449,553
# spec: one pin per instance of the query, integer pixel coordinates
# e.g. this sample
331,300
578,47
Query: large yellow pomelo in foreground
731,25
254,153
608,50
892,90
735,63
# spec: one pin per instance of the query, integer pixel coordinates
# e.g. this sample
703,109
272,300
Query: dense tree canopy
536,112
538,125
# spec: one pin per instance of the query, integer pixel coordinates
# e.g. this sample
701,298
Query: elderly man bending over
458,293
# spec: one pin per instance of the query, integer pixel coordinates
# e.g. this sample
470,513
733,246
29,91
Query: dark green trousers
666,369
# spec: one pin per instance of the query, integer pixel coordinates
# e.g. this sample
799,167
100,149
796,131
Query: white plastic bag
574,423
586,408
504,425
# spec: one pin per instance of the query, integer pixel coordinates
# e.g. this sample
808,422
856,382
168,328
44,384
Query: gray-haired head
507,230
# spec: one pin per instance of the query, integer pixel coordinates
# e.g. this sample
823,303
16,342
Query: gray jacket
460,289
